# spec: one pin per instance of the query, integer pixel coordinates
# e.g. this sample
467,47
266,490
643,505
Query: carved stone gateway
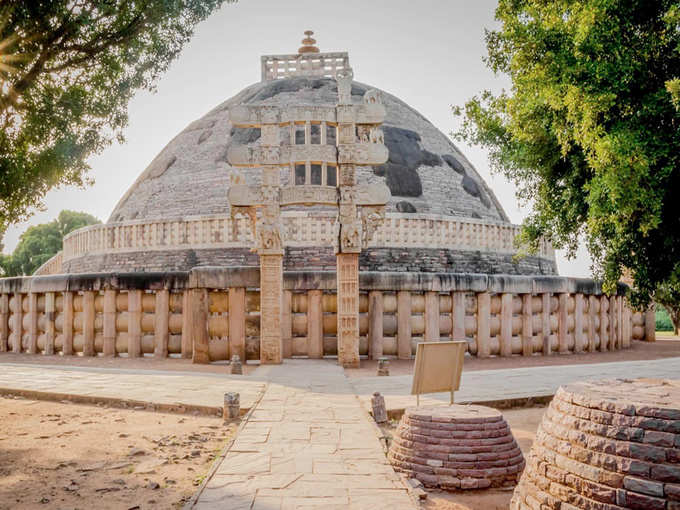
320,173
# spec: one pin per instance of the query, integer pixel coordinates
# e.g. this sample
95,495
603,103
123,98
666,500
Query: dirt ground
667,347
523,423
69,456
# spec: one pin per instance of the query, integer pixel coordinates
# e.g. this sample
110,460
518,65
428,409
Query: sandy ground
69,456
523,423
667,347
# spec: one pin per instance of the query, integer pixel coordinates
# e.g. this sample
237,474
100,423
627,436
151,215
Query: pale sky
427,53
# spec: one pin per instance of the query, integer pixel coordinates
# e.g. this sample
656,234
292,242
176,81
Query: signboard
438,368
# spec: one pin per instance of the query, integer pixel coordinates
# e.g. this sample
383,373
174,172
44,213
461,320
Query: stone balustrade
52,266
325,64
138,314
302,229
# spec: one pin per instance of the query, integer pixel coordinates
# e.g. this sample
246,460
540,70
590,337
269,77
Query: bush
663,320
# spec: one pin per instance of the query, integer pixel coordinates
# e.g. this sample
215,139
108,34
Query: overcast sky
428,53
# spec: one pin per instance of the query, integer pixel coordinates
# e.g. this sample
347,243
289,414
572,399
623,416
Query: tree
68,69
590,129
668,295
41,242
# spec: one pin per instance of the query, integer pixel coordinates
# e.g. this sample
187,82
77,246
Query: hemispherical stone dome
426,173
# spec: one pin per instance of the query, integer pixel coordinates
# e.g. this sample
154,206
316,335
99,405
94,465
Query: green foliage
663,320
67,72
41,242
589,131
668,295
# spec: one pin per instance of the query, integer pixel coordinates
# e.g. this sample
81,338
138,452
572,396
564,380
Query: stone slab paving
152,386
515,383
307,444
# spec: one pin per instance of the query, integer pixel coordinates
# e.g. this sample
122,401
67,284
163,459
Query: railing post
404,350
32,323
314,324
287,324
591,323
578,323
527,325
604,319
375,324
67,332
237,322
134,323
650,324
88,323
612,323
161,323
458,315
4,322
545,323
483,325
198,313
50,315
109,326
187,331
432,316
562,314
505,337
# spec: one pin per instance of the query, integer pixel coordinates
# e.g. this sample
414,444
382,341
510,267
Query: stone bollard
236,366
383,366
232,406
379,409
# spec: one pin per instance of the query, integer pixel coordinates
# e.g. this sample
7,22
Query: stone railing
51,266
326,65
302,229
168,313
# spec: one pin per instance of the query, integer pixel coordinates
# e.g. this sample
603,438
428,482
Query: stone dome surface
426,173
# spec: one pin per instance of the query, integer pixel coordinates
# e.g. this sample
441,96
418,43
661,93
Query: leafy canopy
41,242
68,69
590,130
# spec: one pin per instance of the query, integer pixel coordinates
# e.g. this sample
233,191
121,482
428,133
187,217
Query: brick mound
606,445
456,447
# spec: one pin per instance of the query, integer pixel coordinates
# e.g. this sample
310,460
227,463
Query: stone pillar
287,324
32,323
187,330
619,321
135,323
109,326
650,324
627,329
592,300
237,322
88,323
348,309
271,290
198,311
404,350
604,319
612,323
432,317
458,316
161,324
375,324
314,324
578,323
505,337
562,314
483,325
67,331
527,325
4,322
546,329
50,315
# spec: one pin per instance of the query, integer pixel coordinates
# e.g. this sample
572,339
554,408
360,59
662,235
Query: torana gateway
309,215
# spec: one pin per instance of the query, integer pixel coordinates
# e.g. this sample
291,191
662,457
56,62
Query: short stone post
483,325
404,324
109,325
650,324
379,409
232,406
383,367
375,324
236,366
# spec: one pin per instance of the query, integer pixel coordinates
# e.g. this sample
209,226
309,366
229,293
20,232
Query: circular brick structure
606,445
456,447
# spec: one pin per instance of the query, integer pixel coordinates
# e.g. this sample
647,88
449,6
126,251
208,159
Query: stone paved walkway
308,444
516,383
153,386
